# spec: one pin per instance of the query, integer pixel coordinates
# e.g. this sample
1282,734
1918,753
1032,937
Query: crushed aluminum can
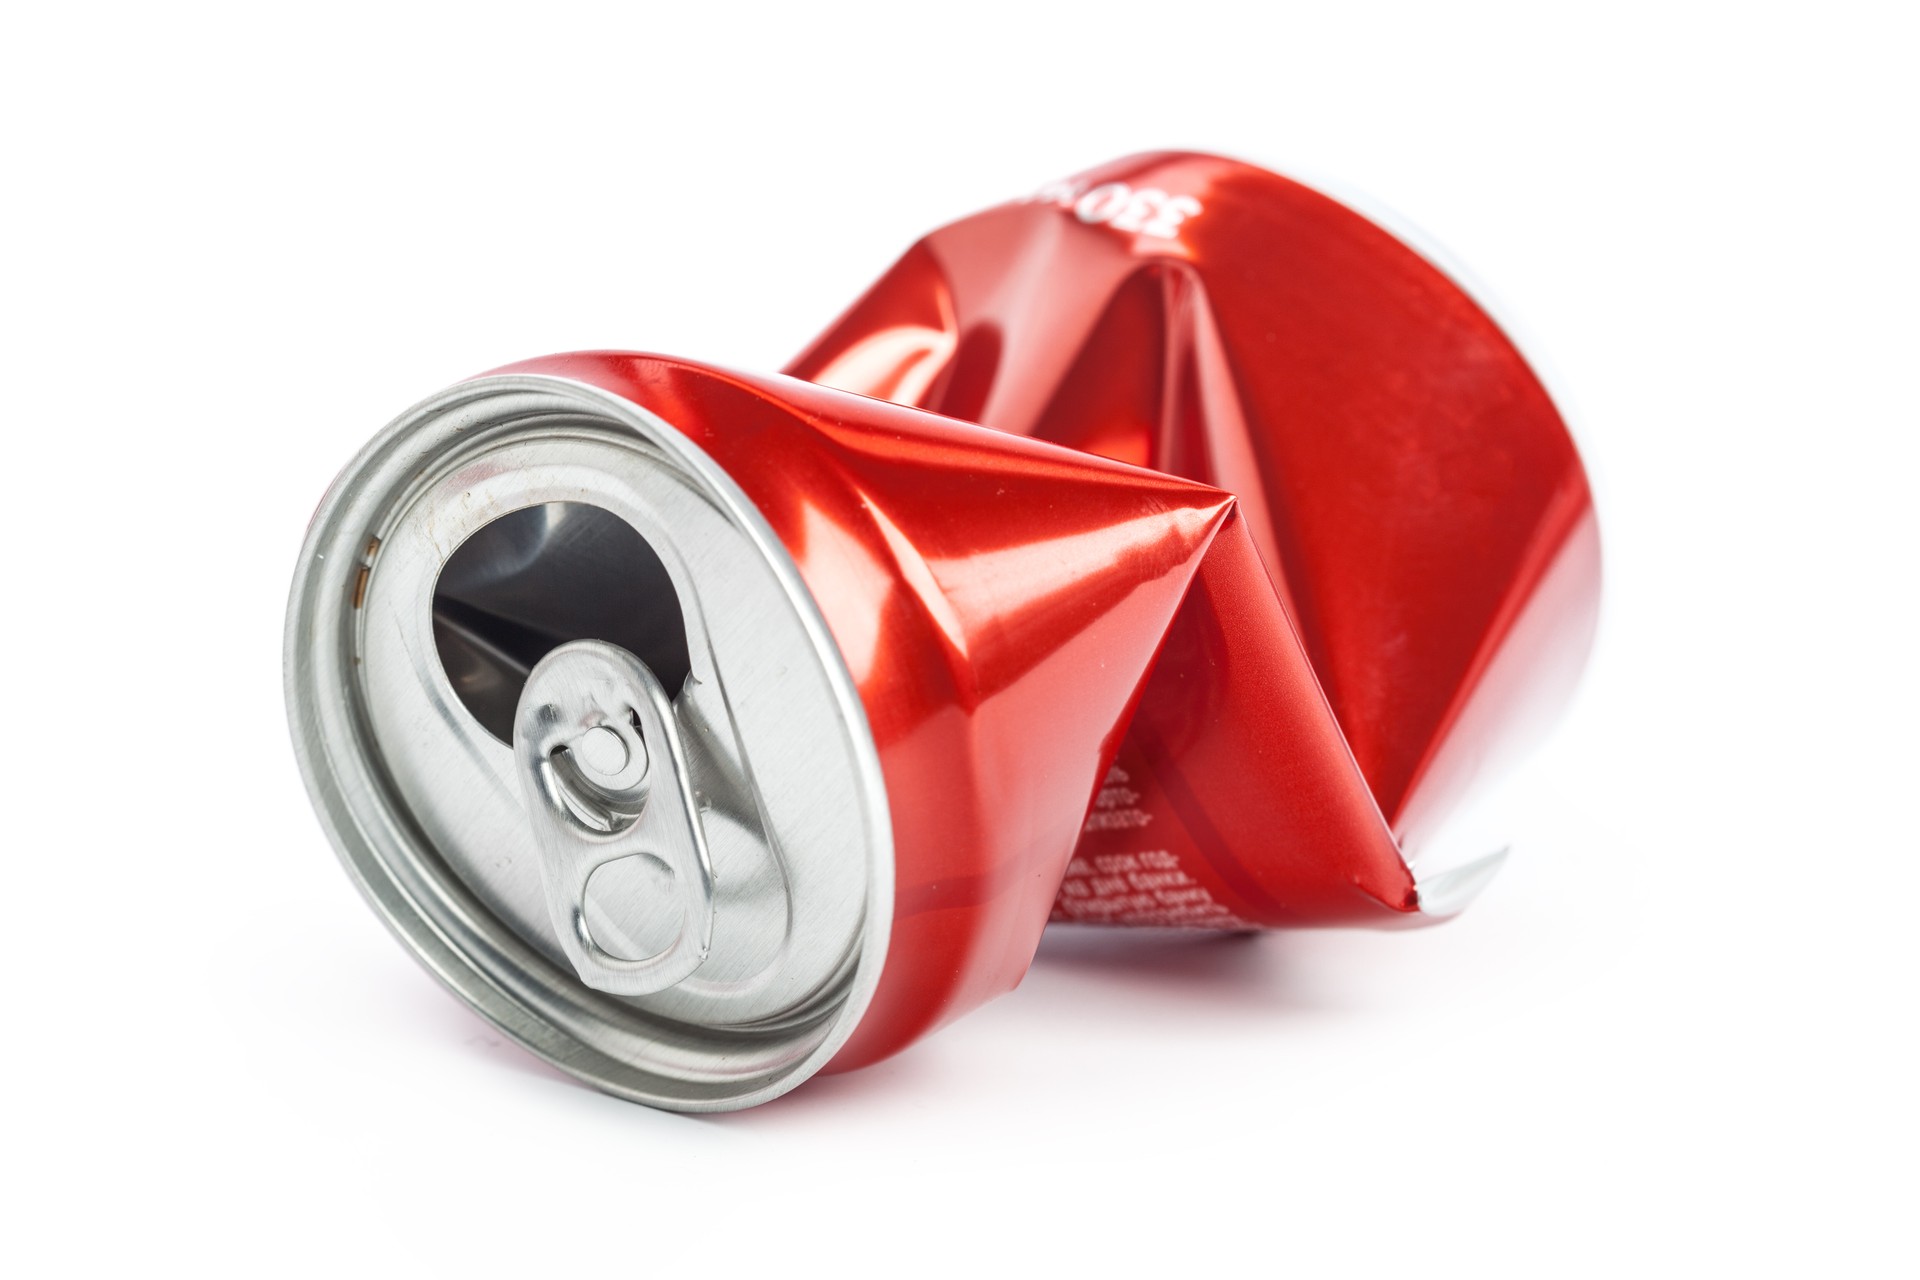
1410,583
705,731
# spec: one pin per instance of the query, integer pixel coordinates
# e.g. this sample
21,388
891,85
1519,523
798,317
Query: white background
1675,1038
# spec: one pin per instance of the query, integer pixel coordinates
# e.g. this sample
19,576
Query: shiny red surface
1410,583
1266,697
998,601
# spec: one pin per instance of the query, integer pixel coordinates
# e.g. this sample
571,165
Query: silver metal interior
481,532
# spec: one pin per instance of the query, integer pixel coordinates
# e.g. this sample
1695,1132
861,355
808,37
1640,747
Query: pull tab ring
603,773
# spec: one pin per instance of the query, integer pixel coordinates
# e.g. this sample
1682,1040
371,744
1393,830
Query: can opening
538,578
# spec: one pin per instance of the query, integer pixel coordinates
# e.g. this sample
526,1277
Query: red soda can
1410,581
704,730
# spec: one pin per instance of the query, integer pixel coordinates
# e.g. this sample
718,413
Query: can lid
580,733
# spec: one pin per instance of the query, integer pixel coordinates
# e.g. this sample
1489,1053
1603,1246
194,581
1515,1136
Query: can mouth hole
541,577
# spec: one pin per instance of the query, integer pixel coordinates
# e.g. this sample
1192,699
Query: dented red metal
1276,544
1192,544
1408,584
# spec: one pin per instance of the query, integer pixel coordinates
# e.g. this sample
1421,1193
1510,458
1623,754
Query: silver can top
580,733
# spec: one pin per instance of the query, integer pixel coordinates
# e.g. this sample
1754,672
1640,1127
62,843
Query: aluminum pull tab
603,771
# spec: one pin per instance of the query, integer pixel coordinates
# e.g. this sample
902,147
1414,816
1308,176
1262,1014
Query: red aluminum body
998,602
1274,545
1409,585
